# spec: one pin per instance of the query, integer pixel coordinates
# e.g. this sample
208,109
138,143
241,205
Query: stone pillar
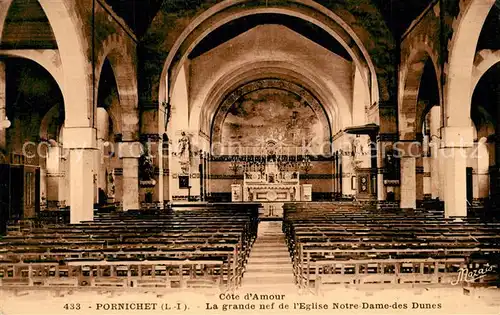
202,176
81,185
208,185
408,182
206,175
3,140
81,142
434,167
427,160
347,174
334,172
435,143
102,123
381,192
419,178
455,142
161,173
483,164
55,176
358,99
130,153
166,170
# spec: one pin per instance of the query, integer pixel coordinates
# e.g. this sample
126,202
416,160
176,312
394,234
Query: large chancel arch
292,96
228,12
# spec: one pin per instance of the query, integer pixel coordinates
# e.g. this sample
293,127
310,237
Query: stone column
419,178
161,172
82,145
483,164
335,181
130,153
208,184
434,167
202,176
381,192
206,176
102,123
55,176
166,170
3,140
456,140
408,182
434,144
346,170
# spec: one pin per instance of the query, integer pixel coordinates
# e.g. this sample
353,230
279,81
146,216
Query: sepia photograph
249,157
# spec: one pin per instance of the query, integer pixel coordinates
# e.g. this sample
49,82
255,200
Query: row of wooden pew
341,243
185,247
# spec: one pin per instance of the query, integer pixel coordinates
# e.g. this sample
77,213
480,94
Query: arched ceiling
486,97
398,14
490,34
234,28
27,27
31,89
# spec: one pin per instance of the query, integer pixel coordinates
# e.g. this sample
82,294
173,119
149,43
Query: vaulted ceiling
398,14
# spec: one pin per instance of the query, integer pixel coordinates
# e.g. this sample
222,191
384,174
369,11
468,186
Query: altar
272,187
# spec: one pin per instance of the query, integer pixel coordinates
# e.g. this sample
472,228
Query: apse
271,115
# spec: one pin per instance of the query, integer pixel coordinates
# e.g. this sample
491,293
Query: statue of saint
391,166
357,147
111,184
184,152
146,169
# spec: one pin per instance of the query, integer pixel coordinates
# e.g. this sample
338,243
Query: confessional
19,191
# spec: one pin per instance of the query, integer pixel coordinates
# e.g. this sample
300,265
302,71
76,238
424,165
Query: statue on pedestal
184,152
146,167
111,185
391,166
146,170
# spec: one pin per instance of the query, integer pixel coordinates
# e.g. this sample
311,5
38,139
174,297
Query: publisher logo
467,275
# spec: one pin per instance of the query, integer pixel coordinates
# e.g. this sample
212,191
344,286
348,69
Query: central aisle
269,265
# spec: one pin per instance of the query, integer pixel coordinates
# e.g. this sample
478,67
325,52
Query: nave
205,247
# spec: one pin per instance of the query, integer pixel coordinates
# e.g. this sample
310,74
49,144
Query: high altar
272,187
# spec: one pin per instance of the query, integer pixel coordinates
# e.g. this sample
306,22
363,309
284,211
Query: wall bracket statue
146,170
184,152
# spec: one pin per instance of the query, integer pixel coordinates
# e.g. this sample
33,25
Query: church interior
249,143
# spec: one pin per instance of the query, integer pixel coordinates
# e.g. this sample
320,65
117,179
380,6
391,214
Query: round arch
67,31
228,11
462,48
411,114
47,120
70,42
4,10
234,96
335,105
125,74
485,60
49,60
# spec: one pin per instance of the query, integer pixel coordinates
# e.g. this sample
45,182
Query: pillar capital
457,137
80,138
408,148
130,150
